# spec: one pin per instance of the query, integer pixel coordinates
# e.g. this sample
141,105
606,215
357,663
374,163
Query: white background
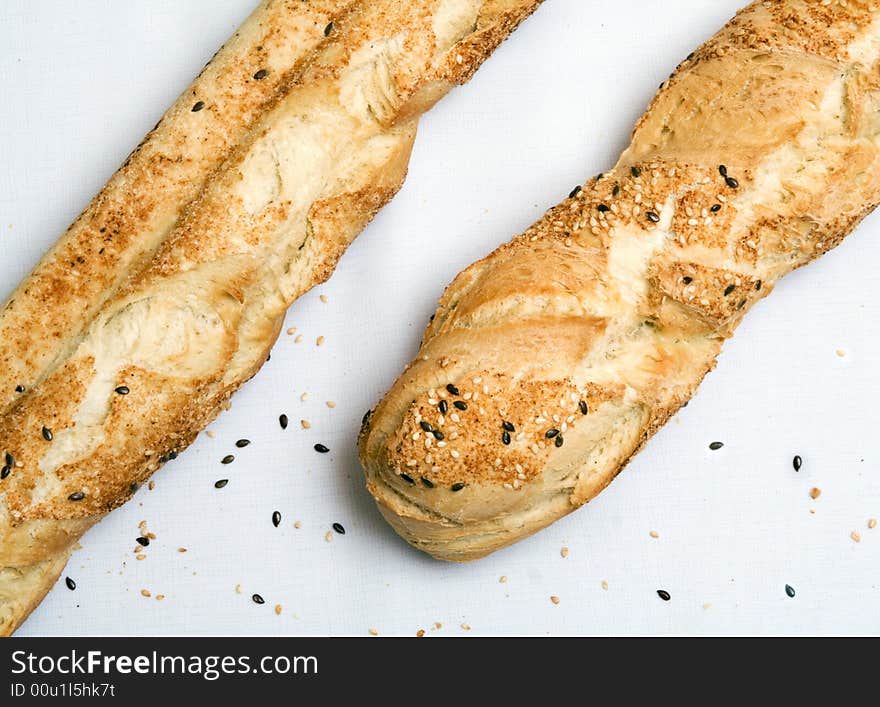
83,82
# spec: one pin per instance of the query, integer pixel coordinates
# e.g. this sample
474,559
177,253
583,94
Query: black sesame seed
602,208
10,460
505,437
142,541
582,406
551,433
453,390
652,216
221,484
460,404
5,471
242,443
508,426
47,434
76,496
123,390
71,585
438,435
664,595
228,459
172,455
616,190
427,483
409,479
276,518
261,74
789,590
134,487
758,285
282,420
742,303
321,449
458,486
722,170
716,446
19,389
729,289
328,29
443,407
715,208
687,280
732,183
339,528
559,441
574,192
258,599
797,462
163,459
426,426
635,172
198,106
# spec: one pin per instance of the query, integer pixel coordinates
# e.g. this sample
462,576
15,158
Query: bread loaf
551,362
168,292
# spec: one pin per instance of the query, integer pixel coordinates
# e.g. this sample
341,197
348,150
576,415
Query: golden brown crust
758,155
305,133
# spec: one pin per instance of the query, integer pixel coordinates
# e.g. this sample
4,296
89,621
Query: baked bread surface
552,361
168,292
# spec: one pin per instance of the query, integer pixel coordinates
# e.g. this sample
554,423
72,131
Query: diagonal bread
169,291
551,362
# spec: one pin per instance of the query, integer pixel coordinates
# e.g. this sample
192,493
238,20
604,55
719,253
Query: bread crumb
707,605
320,341
872,523
181,549
328,537
145,593
306,425
210,434
465,627
278,609
330,404
151,485
160,597
841,353
304,397
564,552
374,632
420,633
291,331
298,339
815,493
502,579
437,625
298,524
324,299
151,536
856,536
554,599
141,557
654,534
238,589
604,585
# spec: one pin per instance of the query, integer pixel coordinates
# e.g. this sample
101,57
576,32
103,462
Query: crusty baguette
168,292
572,344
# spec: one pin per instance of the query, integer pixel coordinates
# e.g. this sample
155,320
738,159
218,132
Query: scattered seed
160,597
554,599
304,397
564,552
198,106
228,459
258,599
324,299
789,590
151,485
321,449
328,29
276,518
872,523
221,483
856,536
278,609
71,585
123,390
299,339
465,627
460,405
261,74
328,536
840,352
453,390
139,558
427,483
143,541
242,443
502,579
282,420
373,632
298,524
652,216
76,496
420,633
582,406
339,528
409,479
664,595
47,434
238,589
605,585
306,425
815,493
320,341
181,549
458,486
210,434
654,534
715,446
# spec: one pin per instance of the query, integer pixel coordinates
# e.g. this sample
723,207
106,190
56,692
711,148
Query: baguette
169,291
551,362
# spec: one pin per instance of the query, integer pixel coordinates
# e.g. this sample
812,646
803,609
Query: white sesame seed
454,453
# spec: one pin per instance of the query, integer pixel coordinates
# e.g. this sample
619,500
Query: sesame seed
654,534
582,406
306,425
298,524
299,339
328,537
797,462
10,460
242,443
123,390
19,389
452,389
603,208
181,549
328,29
324,298
338,528
443,407
143,541
729,290
872,523
636,172
282,420
758,285
460,405
789,590
373,632
320,341
574,192
321,449
616,190
426,426
551,433
409,479
664,595
715,446
276,518
71,585
508,426
221,483
732,183
47,434
856,536
652,216
257,599
564,552
505,437
458,486
76,496
715,208
605,585
5,471
210,434
559,441
228,459
427,483
261,74
198,106
502,579
722,170
554,599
